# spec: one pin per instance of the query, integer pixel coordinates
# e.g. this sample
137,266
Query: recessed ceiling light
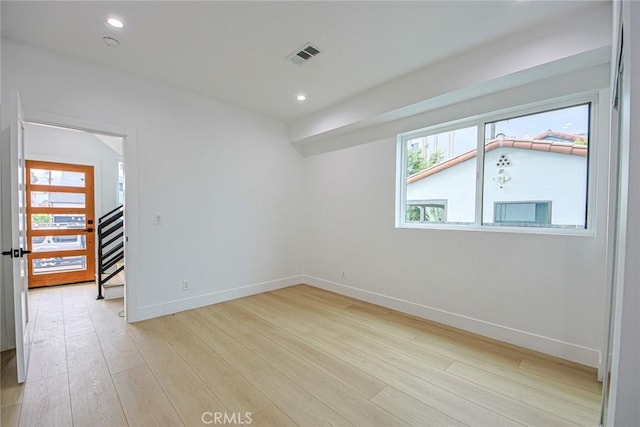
301,97
115,22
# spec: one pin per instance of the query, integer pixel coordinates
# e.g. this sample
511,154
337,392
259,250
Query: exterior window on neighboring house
499,170
522,213
427,211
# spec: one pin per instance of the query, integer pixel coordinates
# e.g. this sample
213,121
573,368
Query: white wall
541,291
7,332
225,181
69,146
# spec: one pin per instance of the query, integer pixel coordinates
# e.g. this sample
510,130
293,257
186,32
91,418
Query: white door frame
624,390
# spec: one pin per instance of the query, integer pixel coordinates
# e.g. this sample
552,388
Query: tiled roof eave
538,145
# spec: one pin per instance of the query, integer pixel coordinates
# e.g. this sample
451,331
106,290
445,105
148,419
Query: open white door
13,162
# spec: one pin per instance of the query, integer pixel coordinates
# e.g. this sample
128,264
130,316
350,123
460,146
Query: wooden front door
60,223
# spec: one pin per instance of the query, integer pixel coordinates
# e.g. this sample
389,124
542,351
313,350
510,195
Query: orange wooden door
60,223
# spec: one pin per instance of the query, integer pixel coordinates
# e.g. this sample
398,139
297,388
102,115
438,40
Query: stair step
117,280
113,291
112,285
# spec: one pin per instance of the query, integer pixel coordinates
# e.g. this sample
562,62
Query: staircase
110,277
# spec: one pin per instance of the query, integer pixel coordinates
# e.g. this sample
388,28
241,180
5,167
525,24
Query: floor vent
304,54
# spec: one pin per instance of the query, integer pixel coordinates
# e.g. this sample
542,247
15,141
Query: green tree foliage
435,158
415,162
431,214
41,218
434,214
413,213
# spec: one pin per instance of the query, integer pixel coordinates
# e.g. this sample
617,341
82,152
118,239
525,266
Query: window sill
502,229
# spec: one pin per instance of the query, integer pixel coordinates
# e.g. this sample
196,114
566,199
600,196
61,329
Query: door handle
16,253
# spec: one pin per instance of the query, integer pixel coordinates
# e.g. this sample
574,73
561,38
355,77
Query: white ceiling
234,51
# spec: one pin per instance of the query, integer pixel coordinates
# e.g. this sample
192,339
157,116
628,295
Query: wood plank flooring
296,356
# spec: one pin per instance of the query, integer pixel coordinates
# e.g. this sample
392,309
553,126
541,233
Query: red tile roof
539,145
550,134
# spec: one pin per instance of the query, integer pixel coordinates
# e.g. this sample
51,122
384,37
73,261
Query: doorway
60,223
71,209
64,139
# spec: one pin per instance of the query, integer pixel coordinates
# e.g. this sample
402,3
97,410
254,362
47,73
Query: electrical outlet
185,285
344,274
157,219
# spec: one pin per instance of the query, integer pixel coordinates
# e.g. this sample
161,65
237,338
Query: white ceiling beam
559,47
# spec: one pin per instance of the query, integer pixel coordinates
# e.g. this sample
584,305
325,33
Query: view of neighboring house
539,181
56,178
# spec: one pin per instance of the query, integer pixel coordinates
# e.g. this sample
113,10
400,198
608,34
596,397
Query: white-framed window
500,171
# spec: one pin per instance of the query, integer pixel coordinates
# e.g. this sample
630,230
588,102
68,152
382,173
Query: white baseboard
157,310
565,350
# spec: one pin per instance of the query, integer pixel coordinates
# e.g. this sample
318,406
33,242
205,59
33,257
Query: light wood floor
296,356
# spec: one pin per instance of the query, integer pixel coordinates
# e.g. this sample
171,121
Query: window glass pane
58,243
59,264
517,213
57,221
120,183
441,177
56,200
58,178
535,169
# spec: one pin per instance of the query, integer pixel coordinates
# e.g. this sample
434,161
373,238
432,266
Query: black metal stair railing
110,246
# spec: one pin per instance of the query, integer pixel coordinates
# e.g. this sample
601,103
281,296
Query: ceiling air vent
304,54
